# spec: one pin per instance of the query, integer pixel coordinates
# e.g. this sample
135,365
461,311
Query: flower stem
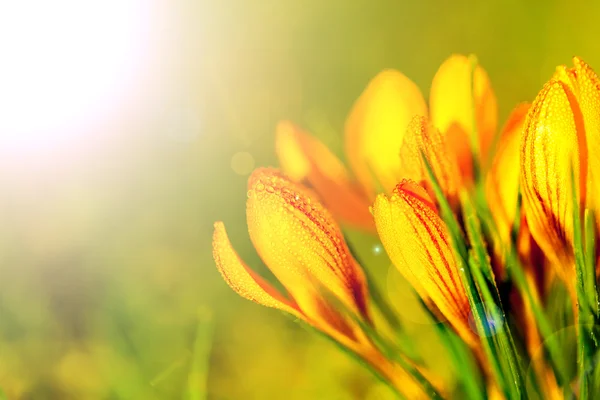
587,304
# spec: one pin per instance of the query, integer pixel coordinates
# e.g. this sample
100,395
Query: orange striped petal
552,140
422,139
242,279
417,241
301,244
502,181
568,76
455,94
376,126
303,157
589,102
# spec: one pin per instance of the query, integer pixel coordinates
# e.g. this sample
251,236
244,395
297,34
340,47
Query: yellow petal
253,287
376,126
589,102
552,140
301,244
502,181
303,157
568,76
242,279
454,97
423,139
417,241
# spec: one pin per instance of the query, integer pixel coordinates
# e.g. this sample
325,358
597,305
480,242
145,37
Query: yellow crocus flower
422,139
562,128
303,157
303,247
419,245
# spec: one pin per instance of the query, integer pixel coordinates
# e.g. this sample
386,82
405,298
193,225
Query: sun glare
66,65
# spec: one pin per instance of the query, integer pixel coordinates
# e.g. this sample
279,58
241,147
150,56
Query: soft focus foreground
107,283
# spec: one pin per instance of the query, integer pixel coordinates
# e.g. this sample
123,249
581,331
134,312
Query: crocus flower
562,128
376,129
419,245
424,141
300,243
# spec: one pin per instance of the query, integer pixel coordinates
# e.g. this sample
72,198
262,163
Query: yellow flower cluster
392,139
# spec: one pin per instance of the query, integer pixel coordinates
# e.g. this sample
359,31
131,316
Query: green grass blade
516,273
543,324
590,263
586,316
198,374
482,271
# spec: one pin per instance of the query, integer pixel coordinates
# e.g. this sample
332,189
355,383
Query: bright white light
66,65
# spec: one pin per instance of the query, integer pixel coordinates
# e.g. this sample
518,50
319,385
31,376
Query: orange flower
303,157
562,126
299,241
419,245
460,96
376,129
422,139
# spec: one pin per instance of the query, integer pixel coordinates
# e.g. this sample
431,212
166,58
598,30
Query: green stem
543,324
590,262
482,270
473,296
584,285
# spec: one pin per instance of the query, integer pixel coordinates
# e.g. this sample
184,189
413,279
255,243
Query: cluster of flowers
456,214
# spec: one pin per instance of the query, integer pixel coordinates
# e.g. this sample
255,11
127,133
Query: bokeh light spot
242,163
377,249
494,320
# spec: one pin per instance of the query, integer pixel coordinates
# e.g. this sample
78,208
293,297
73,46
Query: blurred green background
107,284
